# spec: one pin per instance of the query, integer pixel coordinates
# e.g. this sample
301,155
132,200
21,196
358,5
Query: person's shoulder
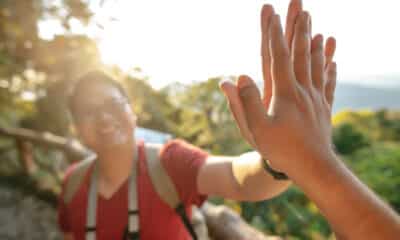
78,167
177,145
172,148
182,161
66,178
69,171
74,176
180,151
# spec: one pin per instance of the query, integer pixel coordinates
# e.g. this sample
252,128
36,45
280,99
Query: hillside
375,95
351,96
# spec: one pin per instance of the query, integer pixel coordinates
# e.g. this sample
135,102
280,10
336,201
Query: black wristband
277,175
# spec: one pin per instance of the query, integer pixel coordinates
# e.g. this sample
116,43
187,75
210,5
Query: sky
191,40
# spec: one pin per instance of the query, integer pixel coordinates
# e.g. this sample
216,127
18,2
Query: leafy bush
348,139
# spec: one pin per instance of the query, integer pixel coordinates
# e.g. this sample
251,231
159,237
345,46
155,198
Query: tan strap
133,211
160,179
76,177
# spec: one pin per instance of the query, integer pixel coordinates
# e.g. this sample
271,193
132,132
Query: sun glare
113,52
189,41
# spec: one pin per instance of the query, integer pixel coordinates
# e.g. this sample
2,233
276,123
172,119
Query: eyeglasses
111,106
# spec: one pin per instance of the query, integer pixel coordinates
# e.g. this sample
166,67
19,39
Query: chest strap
133,210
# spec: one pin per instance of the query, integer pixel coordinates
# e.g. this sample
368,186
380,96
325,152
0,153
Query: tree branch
70,146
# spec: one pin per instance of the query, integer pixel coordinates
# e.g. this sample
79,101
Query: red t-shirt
157,220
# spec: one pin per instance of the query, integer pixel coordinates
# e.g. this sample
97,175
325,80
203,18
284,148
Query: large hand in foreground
230,89
292,126
292,129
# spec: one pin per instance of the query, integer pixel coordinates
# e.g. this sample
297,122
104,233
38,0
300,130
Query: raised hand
292,129
230,89
294,116
292,42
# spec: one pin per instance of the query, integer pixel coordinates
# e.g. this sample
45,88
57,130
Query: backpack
162,183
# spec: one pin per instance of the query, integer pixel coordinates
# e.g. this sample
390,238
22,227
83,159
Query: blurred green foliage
348,139
379,167
35,76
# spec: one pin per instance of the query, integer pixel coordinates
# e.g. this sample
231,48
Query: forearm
254,183
351,208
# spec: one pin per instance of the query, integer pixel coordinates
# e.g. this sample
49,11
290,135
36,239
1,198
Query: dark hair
86,81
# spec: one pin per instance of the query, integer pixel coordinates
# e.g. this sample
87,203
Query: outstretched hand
291,126
293,119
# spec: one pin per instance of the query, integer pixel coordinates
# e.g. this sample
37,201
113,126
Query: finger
317,61
301,49
331,74
330,48
235,105
266,13
294,9
282,72
254,110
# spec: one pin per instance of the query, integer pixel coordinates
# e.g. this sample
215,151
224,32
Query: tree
204,118
379,167
348,139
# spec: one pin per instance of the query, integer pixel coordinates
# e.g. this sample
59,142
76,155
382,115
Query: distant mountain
352,96
377,81
373,95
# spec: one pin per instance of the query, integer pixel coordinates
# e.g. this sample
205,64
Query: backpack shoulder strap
76,178
165,187
160,179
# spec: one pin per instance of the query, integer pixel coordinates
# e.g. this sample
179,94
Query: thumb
235,105
253,107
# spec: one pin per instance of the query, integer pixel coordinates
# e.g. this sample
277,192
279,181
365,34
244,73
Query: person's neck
115,164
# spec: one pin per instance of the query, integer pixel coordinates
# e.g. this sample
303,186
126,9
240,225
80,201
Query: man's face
103,117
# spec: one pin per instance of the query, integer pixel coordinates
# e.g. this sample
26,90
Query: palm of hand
298,91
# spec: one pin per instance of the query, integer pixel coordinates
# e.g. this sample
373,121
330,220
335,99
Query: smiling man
106,123
119,195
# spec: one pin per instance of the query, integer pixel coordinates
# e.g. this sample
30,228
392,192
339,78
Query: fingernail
304,16
307,16
320,39
244,81
222,82
223,88
275,22
277,19
266,13
331,40
267,8
296,3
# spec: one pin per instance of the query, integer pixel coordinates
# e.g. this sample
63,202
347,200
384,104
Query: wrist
315,168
